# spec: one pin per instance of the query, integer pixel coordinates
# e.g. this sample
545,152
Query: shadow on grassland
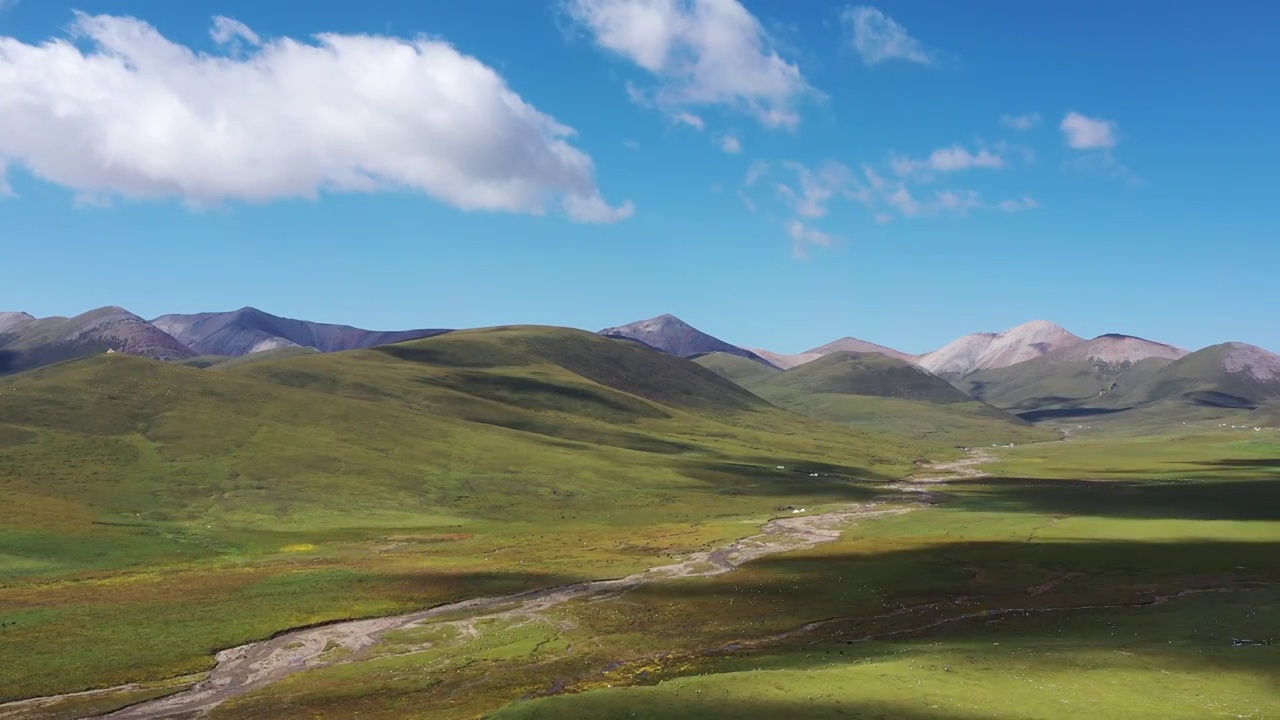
608,706
1181,599
1146,499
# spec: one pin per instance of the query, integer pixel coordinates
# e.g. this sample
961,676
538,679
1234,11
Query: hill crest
857,345
674,336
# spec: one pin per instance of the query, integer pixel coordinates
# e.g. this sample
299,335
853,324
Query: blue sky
777,174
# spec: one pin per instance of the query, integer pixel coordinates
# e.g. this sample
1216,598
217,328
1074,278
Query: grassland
986,601
872,391
157,513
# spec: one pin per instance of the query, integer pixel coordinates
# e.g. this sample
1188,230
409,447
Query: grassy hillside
155,513
1150,394
1051,382
870,390
224,362
1202,378
740,370
871,374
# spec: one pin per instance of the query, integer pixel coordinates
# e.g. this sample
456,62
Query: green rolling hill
1165,387
872,390
166,511
740,370
224,362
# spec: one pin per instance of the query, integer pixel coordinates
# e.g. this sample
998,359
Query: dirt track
243,669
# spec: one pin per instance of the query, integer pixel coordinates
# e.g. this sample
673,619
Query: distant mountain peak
986,351
674,336
1245,359
1037,325
9,319
250,330
857,345
1116,348
30,342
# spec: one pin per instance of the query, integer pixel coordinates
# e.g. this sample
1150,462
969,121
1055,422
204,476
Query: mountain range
27,342
249,330
1035,371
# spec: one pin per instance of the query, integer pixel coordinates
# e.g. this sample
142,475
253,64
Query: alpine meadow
859,475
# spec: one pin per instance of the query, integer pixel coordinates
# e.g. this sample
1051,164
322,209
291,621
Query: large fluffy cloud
138,116
701,52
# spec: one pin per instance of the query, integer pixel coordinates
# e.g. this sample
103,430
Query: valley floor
1142,592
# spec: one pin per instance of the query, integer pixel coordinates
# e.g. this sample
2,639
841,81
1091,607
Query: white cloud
815,190
138,116
816,187
755,172
593,209
6,5
225,30
631,144
1020,122
1085,133
946,160
804,236
1025,203
687,118
878,38
959,202
731,144
1102,162
701,52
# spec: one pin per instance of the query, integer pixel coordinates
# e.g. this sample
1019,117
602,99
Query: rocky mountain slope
249,330
674,336
1075,375
984,351
27,342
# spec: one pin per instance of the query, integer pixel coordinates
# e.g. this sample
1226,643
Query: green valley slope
1137,389
871,390
155,513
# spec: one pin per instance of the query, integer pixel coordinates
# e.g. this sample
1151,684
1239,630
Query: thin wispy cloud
1104,163
227,30
814,188
1020,122
804,237
878,38
945,160
899,189
1026,202
346,114
699,53
687,118
731,144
